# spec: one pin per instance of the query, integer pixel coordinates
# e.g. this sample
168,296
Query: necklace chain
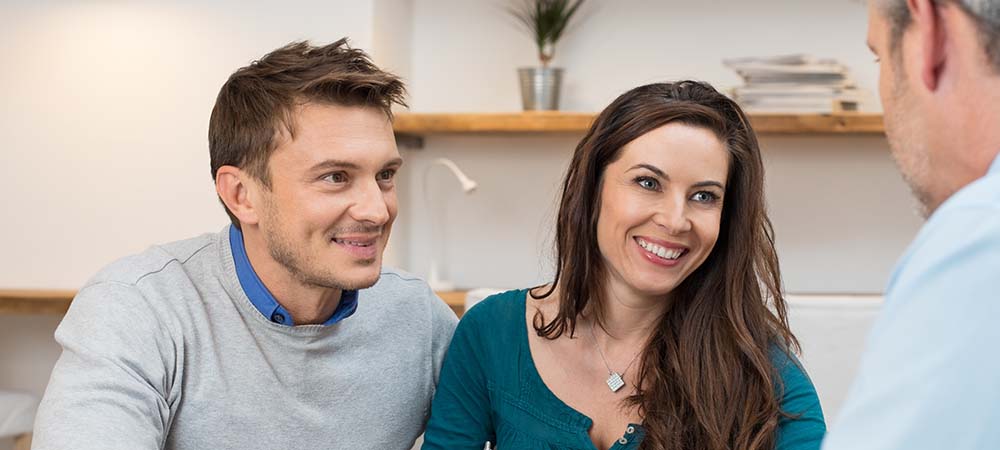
611,372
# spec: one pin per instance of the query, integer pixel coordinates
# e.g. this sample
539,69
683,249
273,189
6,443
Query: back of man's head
985,14
255,107
940,89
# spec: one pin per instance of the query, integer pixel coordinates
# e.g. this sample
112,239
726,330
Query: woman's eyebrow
660,173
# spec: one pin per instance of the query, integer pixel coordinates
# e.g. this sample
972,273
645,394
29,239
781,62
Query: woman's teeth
665,253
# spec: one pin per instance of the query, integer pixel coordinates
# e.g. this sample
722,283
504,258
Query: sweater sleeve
460,412
804,427
109,388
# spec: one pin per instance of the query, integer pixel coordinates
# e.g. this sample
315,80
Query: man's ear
237,190
931,36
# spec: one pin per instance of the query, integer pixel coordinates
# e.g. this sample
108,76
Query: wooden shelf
420,124
527,122
35,301
842,123
454,299
30,301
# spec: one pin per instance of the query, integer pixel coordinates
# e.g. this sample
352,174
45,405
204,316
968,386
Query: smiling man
282,331
930,378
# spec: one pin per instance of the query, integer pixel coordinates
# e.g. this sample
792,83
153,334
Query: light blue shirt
930,377
262,299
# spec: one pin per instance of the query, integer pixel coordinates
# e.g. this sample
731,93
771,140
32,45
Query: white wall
467,51
105,120
392,28
841,212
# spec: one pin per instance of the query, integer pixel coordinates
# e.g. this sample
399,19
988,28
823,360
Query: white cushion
17,413
832,330
477,295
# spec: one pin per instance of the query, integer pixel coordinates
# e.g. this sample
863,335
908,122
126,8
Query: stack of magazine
794,84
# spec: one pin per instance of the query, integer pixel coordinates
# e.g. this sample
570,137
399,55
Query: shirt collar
262,299
995,167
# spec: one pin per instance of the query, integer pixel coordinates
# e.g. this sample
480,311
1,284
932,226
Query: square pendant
615,382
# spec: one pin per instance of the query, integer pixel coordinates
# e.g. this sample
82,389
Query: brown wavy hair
708,381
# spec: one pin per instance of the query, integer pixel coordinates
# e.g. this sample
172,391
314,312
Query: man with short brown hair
283,331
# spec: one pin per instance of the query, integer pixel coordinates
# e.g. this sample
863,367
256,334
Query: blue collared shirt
262,298
930,377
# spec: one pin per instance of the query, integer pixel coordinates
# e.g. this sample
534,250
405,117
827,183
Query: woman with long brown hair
664,326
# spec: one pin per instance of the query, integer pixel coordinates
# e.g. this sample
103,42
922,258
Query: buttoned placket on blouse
533,387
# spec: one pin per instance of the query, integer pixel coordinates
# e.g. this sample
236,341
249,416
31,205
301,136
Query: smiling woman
666,259
661,204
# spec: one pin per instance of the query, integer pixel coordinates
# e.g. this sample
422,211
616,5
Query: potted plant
545,20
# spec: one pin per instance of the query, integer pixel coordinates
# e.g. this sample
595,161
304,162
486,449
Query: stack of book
794,84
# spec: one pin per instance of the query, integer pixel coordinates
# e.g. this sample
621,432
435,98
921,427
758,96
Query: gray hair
985,13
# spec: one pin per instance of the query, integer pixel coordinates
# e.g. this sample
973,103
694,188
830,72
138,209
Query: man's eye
386,175
336,177
648,183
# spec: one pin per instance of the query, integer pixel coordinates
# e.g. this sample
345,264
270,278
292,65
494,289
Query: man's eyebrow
328,164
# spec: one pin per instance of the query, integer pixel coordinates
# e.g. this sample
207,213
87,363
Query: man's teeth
354,243
665,253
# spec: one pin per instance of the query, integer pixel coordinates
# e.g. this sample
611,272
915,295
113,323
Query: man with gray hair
930,378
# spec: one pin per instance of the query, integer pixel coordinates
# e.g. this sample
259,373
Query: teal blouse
490,390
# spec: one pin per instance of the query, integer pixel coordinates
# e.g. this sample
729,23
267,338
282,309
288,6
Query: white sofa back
832,330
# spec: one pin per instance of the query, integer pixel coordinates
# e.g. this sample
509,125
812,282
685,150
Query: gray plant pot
540,88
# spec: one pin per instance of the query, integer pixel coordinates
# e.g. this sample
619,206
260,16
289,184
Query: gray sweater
163,350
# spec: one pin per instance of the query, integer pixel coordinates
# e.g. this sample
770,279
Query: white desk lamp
433,273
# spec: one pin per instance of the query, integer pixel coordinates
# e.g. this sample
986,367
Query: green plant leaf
545,20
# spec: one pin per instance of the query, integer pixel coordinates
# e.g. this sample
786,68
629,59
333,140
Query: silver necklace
615,380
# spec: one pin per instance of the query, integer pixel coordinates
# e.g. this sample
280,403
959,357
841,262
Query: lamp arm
467,184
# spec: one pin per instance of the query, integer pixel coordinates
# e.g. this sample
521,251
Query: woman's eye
704,197
648,183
